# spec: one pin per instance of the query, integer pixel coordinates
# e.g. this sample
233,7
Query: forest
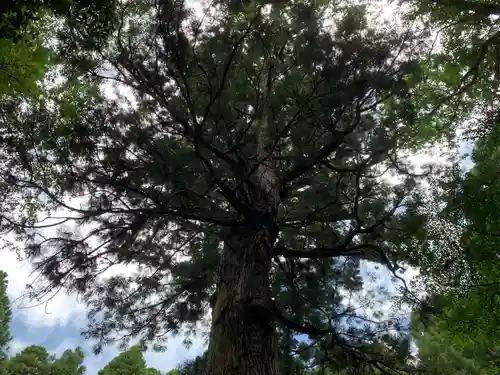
308,187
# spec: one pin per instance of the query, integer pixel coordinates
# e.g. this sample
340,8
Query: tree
23,63
468,299
246,171
152,371
438,352
5,315
462,75
70,363
35,360
27,33
130,362
17,18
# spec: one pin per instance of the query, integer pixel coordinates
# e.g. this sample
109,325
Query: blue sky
57,325
59,337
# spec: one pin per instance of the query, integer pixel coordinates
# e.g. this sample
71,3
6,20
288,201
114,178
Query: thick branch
176,208
302,168
308,330
368,252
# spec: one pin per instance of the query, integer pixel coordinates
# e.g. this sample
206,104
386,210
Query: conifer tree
243,175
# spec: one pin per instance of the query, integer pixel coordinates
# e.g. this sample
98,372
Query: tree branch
308,330
302,168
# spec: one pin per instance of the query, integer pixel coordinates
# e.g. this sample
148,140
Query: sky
57,324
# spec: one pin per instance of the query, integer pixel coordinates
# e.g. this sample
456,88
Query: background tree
35,360
5,316
249,169
462,75
70,363
438,352
460,265
27,35
130,362
17,18
466,291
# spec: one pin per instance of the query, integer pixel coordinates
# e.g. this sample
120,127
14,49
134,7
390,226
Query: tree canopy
249,168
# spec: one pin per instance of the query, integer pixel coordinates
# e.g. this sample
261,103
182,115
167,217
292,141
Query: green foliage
27,32
461,263
17,18
70,363
5,316
22,67
462,75
472,307
130,362
440,353
35,360
23,55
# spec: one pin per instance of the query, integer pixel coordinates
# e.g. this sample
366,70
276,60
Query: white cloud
17,345
58,310
65,311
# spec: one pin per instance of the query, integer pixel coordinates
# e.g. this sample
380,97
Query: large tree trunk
243,337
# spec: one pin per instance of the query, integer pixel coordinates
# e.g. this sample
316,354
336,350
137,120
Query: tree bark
243,336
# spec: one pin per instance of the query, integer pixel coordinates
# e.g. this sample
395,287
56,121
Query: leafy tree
5,316
130,362
462,75
35,360
469,300
462,265
244,175
22,64
439,354
70,363
16,18
27,33
32,360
